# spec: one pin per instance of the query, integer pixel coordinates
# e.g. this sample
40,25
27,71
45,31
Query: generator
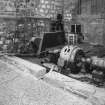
73,59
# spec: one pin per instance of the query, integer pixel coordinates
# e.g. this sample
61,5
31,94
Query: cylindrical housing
99,62
70,54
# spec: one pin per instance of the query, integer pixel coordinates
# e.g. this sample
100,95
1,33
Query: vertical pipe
63,10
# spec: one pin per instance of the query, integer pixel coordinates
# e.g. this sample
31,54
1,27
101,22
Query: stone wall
13,10
92,20
93,29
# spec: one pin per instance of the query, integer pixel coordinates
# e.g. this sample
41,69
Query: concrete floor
18,88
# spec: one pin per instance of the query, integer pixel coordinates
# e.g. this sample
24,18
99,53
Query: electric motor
70,56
